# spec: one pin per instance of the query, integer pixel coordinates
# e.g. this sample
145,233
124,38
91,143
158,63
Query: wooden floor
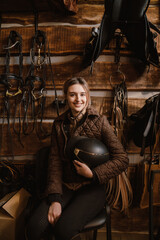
117,236
134,226
124,236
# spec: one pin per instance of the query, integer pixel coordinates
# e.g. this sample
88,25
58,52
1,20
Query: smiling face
77,98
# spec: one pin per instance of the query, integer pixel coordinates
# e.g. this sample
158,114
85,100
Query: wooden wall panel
137,77
61,40
104,75
11,145
152,2
90,13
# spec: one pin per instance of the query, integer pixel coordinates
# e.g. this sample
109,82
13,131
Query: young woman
75,193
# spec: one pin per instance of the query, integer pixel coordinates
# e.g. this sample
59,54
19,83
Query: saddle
146,123
130,18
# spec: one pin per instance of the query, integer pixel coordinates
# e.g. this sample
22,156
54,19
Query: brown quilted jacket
61,169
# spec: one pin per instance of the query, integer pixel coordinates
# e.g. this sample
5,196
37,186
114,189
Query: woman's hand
54,212
82,169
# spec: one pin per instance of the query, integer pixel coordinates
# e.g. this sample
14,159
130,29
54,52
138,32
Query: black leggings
78,208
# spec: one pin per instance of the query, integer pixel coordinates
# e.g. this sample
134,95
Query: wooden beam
90,13
104,76
63,40
11,145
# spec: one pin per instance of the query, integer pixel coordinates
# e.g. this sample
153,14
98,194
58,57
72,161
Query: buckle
9,94
39,95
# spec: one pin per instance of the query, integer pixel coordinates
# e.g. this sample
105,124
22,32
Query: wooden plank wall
67,36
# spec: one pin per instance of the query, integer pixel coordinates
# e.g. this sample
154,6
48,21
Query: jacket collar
92,112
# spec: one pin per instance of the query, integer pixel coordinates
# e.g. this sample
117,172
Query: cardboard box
12,222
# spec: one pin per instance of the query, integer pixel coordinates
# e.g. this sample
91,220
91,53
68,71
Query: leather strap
151,123
13,85
34,93
119,192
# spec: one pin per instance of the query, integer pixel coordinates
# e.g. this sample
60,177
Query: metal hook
12,46
119,72
40,94
13,94
39,58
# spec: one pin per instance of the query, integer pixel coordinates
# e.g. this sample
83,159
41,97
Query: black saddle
130,18
146,123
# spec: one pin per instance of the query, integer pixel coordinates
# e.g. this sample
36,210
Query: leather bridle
34,96
13,84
